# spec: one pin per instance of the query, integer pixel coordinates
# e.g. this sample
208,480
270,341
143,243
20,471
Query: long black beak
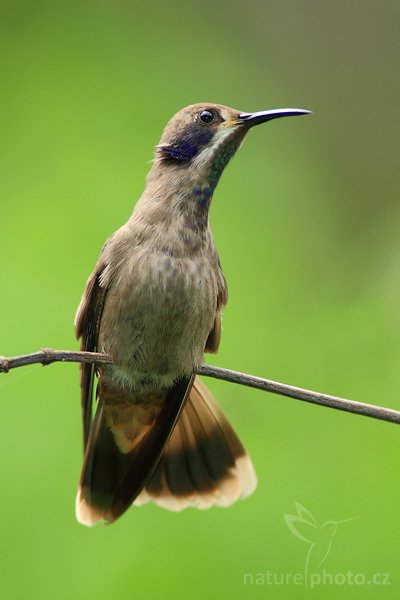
262,116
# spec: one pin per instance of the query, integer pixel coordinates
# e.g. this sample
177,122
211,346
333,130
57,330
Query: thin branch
46,356
283,389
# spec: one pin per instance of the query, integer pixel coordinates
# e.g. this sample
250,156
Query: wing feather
87,324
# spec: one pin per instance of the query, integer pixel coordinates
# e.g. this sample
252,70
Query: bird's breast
158,315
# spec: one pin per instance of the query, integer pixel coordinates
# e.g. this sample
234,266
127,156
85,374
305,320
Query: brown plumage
204,462
154,304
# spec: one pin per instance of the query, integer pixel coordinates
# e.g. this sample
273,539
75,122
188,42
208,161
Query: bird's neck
174,209
182,178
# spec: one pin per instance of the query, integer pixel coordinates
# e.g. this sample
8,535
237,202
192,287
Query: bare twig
47,356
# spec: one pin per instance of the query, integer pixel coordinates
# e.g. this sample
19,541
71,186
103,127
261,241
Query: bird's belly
159,328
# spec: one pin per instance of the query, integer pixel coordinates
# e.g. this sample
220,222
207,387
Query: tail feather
204,462
132,456
127,437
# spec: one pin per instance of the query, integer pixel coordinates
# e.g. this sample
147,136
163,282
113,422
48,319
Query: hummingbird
153,303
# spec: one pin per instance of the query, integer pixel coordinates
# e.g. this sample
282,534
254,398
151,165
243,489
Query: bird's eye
206,116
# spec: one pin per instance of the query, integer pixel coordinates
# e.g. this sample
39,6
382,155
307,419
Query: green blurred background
306,220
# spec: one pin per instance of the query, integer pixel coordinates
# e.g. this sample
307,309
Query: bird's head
203,137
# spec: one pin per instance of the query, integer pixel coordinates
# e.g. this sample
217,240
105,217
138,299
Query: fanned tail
131,455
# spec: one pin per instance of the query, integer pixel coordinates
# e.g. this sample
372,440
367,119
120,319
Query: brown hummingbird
153,303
